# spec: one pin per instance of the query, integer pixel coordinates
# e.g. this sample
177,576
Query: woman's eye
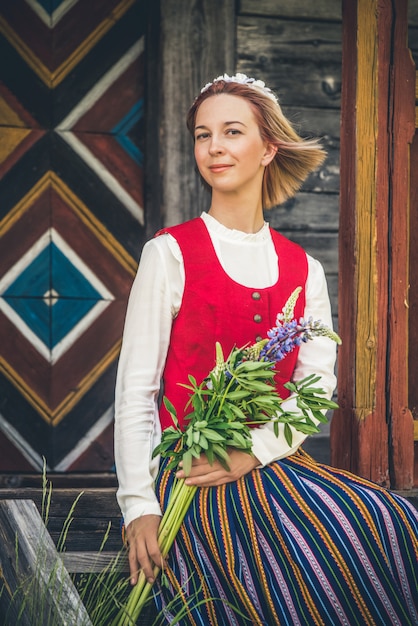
202,136
233,131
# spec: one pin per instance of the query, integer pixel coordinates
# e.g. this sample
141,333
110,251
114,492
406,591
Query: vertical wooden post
413,287
197,44
36,587
374,345
402,130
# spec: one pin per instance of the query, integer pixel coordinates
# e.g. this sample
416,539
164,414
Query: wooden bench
21,511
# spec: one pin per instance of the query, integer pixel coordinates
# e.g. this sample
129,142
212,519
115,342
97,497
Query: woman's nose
216,146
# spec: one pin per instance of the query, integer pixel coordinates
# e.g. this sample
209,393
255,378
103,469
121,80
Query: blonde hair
295,159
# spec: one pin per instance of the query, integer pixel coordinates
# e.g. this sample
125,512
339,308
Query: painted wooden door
71,223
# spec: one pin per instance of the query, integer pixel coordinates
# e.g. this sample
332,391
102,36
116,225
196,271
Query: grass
100,597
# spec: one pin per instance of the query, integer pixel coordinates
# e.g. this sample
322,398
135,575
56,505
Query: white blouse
155,299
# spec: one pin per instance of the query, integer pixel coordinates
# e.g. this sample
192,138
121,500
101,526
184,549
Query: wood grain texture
37,569
367,98
198,44
374,211
402,133
300,61
320,9
95,510
343,430
309,212
413,293
413,12
88,562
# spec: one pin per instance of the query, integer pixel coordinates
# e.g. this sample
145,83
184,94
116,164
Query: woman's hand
144,552
203,474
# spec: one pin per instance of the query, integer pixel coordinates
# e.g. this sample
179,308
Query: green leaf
258,385
238,412
210,454
288,435
196,450
212,435
171,409
189,437
222,455
238,394
239,440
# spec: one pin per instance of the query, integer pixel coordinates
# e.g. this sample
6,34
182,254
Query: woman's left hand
203,474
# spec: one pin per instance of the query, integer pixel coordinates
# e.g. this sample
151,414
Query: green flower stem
178,505
226,391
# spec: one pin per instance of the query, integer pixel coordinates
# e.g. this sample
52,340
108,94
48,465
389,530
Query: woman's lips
221,167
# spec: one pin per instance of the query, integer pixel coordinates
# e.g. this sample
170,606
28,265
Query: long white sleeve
144,348
153,304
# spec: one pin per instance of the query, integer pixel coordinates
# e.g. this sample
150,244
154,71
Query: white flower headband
244,80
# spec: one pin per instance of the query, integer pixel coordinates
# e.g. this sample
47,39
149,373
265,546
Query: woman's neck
246,218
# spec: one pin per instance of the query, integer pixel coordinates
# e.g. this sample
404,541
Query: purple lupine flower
287,335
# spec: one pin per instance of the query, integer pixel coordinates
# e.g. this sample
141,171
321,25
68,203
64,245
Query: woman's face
229,151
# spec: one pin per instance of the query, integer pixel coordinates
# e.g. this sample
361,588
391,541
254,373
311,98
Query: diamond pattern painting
71,223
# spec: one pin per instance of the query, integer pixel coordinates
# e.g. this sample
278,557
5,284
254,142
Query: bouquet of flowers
238,394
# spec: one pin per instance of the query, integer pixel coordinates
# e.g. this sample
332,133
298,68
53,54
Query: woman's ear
269,154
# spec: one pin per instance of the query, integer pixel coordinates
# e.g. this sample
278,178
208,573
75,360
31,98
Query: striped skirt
295,542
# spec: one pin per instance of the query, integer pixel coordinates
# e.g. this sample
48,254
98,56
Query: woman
277,539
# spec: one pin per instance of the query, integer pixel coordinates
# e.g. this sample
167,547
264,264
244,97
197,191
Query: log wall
295,47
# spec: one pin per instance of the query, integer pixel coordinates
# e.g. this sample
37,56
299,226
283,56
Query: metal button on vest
257,318
258,338
256,295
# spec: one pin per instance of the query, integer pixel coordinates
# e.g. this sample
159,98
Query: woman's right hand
144,552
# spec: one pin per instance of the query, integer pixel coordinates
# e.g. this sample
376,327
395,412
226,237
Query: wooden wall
296,48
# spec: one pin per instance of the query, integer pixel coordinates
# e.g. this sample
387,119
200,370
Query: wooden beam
402,130
95,562
416,100
320,9
359,435
32,571
197,44
374,212
95,510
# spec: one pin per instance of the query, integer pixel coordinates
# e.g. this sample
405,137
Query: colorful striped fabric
295,542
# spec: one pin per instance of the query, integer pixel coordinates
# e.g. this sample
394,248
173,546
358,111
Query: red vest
215,308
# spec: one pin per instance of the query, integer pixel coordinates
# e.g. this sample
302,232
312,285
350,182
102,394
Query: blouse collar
236,235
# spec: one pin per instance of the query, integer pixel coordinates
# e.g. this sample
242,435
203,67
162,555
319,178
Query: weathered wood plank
323,124
374,211
197,43
317,212
413,41
315,122
92,502
95,510
402,133
413,292
358,429
413,12
322,246
301,62
59,480
90,562
31,566
320,9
